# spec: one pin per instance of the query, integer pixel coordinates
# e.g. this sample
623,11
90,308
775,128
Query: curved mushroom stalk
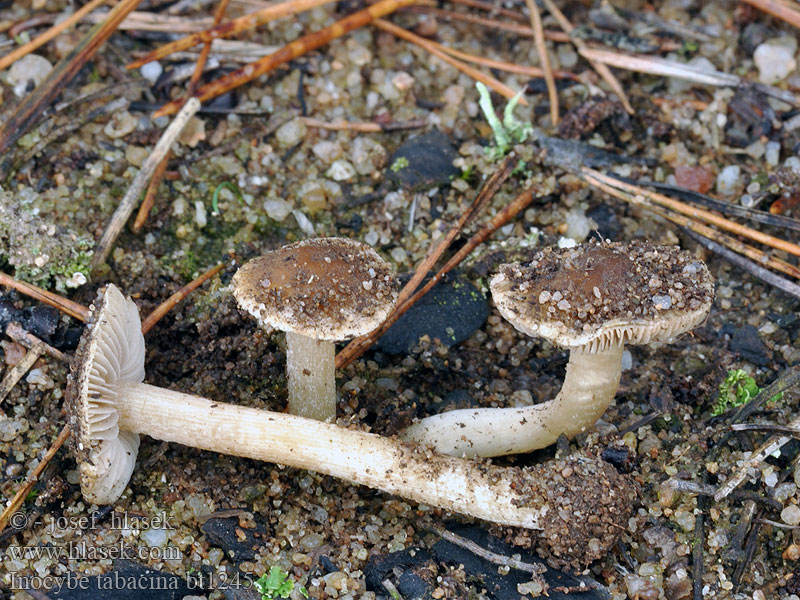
109,407
589,387
592,299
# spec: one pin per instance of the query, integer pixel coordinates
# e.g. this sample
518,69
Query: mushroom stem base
310,371
497,494
590,383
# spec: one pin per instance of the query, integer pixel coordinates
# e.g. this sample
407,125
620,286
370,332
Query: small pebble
774,59
698,179
14,353
341,170
200,217
398,255
578,225
120,125
291,133
662,302
728,180
151,71
277,209
76,280
793,163
155,538
305,225
31,68
791,515
773,153
136,155
627,360
327,151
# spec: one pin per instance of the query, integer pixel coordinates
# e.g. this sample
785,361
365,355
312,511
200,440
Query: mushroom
592,299
318,291
109,407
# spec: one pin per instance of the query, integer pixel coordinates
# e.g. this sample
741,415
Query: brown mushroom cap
328,288
600,293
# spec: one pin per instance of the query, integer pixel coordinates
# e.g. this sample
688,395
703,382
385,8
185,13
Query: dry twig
22,336
492,8
128,201
601,69
158,173
477,75
230,28
544,59
18,371
637,194
32,106
163,308
48,35
654,65
73,309
299,47
23,492
407,295
503,66
364,127
748,265
777,8
492,557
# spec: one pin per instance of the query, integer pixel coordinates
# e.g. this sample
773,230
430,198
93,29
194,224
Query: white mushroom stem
498,494
311,378
590,383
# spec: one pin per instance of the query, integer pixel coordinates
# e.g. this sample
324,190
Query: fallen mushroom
109,407
318,291
593,299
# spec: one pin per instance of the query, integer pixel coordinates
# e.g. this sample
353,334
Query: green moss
399,164
39,251
276,584
737,389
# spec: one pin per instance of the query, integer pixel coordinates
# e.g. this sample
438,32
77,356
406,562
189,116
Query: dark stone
41,321
429,160
750,117
412,587
128,581
327,565
746,342
753,35
380,566
245,591
8,313
225,533
621,458
452,311
786,321
608,225
69,340
573,154
504,587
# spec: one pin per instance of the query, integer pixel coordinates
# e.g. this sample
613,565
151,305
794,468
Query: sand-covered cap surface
328,288
605,292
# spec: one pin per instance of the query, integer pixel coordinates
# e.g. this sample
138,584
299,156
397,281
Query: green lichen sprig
737,389
507,132
276,583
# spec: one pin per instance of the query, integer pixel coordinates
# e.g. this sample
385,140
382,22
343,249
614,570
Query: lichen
41,252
